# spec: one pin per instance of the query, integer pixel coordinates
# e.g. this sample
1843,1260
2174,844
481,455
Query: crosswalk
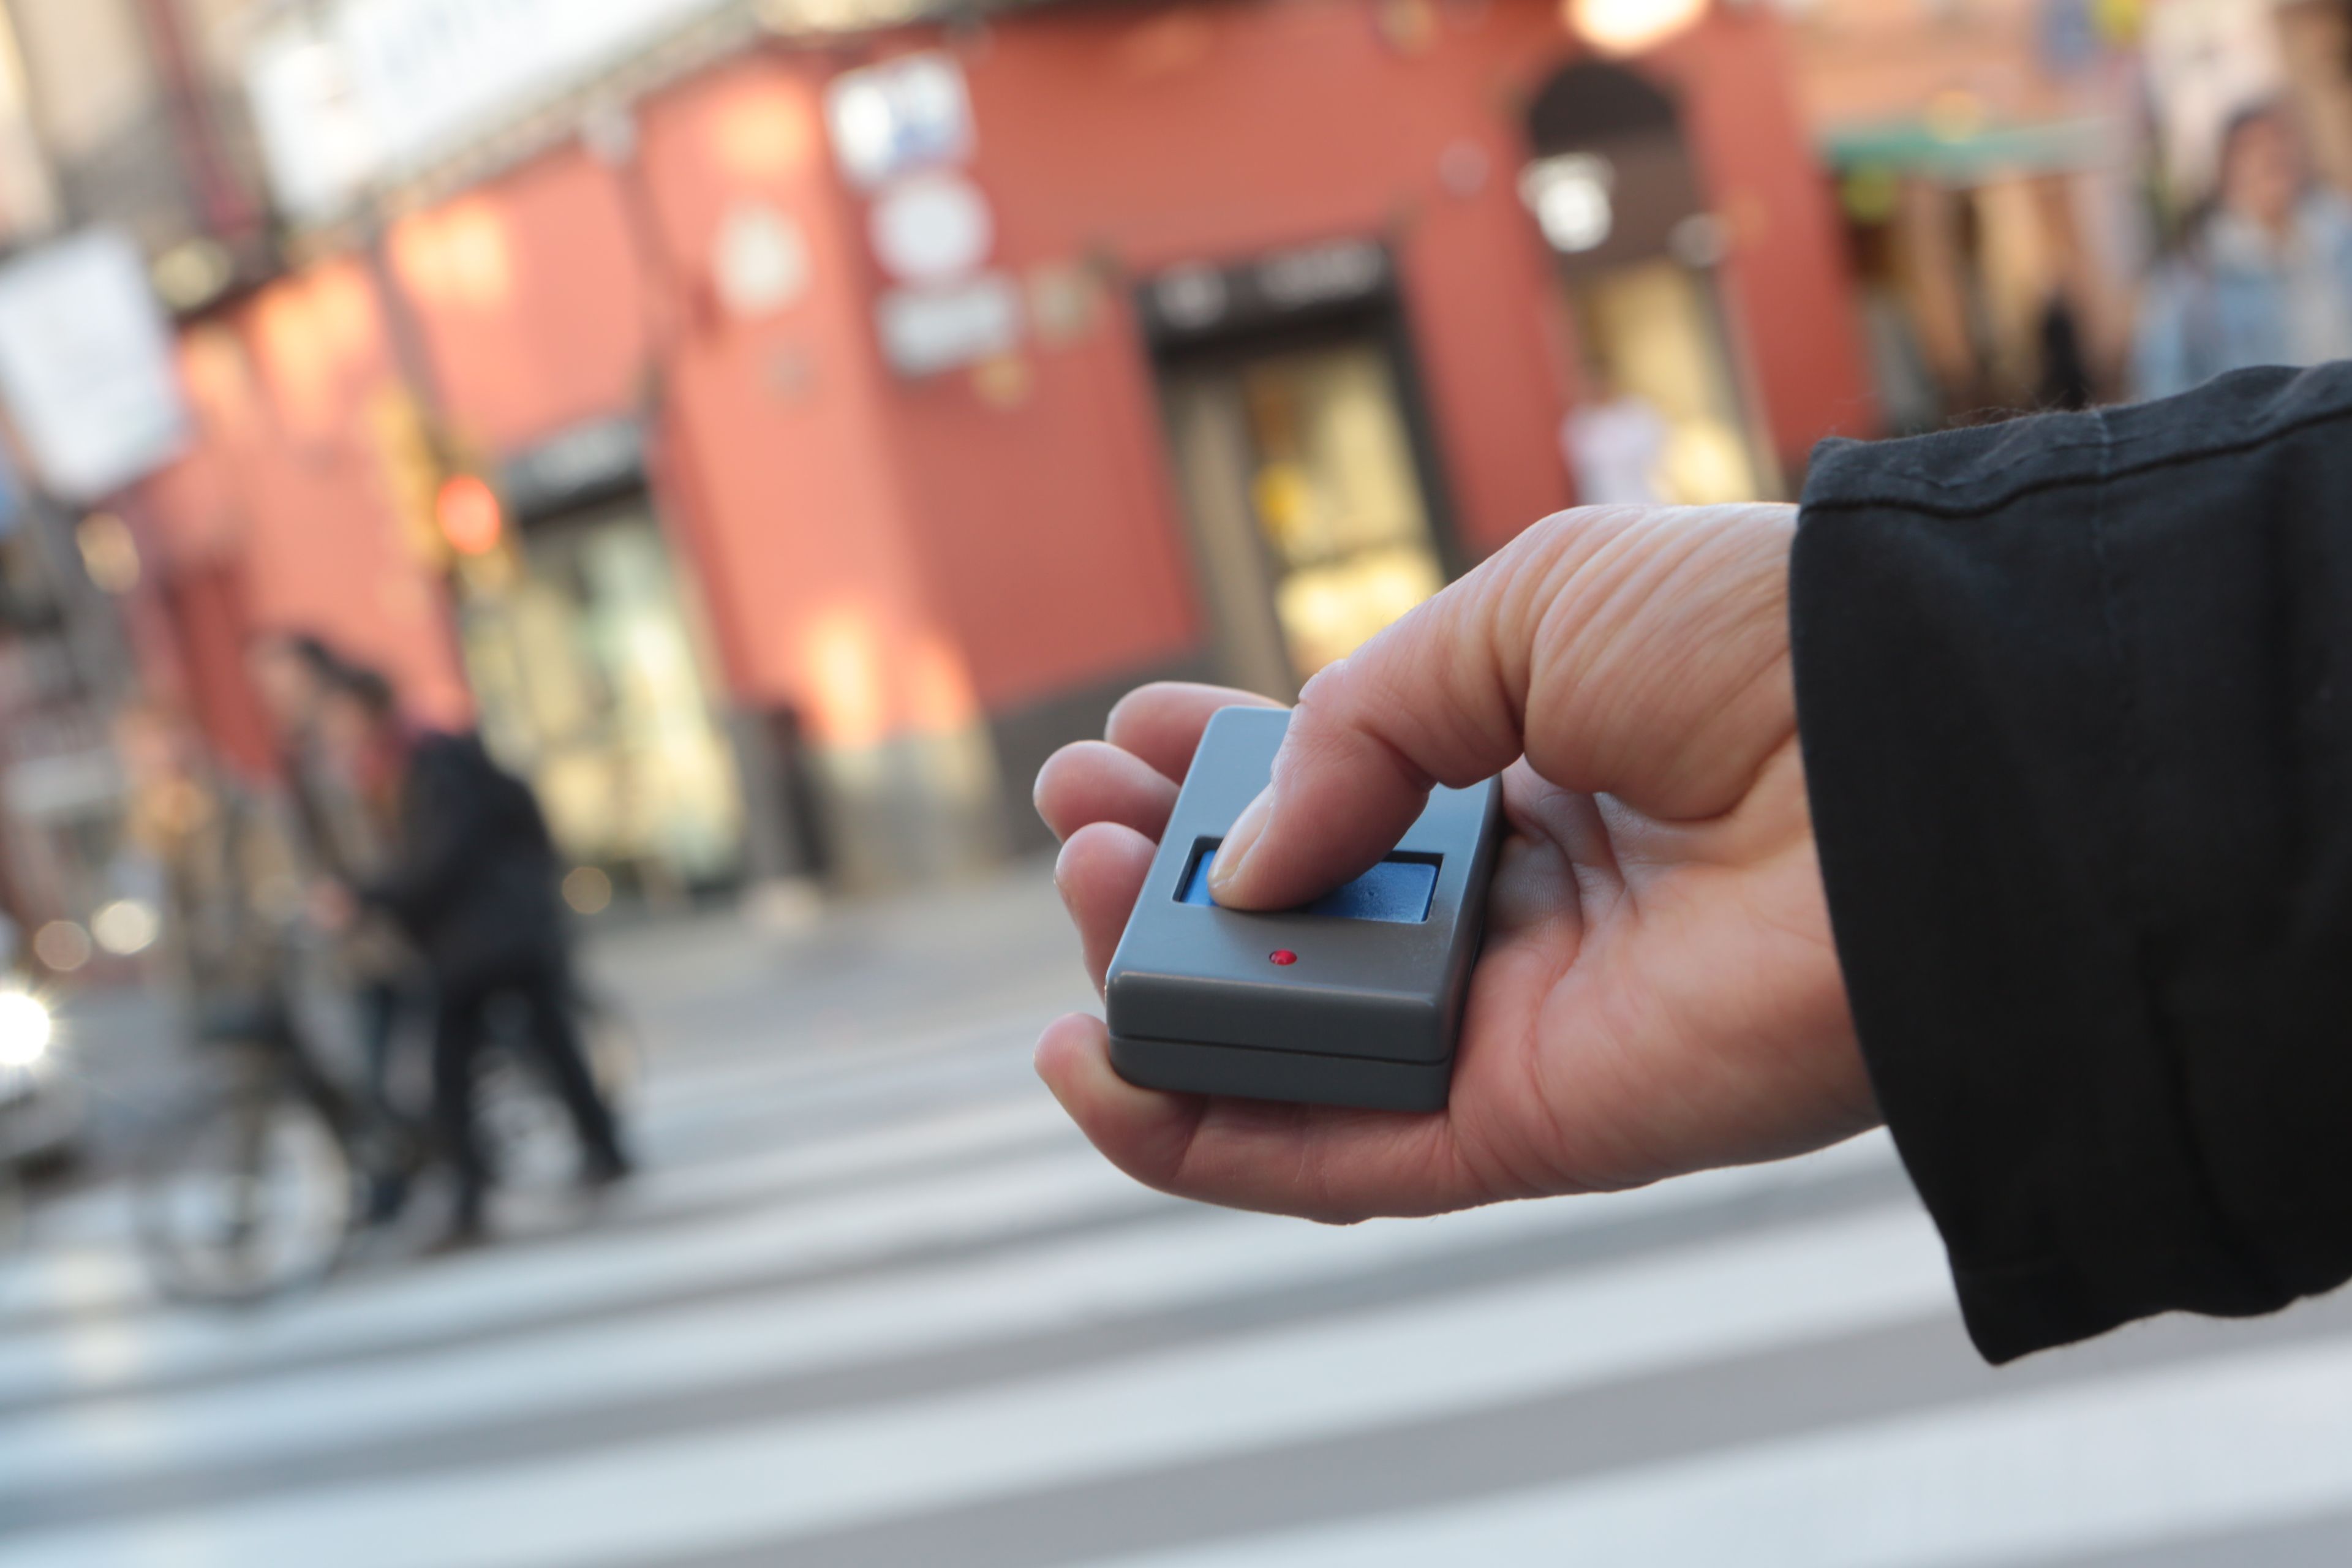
885,1308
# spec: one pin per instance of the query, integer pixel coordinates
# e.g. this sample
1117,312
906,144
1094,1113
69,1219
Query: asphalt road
872,1302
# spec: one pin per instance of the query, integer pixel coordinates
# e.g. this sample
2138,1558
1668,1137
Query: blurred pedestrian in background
344,836
472,877
1615,444
2265,276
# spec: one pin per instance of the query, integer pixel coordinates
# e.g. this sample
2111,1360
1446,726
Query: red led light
467,511
1283,955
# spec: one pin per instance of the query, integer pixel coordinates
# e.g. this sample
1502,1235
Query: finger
1430,700
1314,1161
1099,875
1094,782
1649,647
1143,1131
1162,722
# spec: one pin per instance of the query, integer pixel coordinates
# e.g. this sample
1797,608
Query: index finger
1161,722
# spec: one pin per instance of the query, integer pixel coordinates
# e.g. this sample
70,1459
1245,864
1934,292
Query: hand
1658,992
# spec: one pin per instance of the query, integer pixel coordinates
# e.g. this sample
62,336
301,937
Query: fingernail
1239,842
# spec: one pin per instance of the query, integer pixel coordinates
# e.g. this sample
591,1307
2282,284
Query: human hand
1658,992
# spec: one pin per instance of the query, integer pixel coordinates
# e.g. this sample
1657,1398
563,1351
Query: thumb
1639,651
1432,700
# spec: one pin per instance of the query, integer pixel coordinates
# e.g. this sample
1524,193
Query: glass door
1309,512
587,668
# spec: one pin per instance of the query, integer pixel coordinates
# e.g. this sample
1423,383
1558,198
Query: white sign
931,229
761,263
351,91
905,114
925,330
86,365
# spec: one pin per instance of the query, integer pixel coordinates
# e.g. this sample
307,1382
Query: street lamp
1629,26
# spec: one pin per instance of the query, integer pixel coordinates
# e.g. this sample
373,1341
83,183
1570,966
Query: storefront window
1306,500
1616,195
1336,498
1652,330
586,670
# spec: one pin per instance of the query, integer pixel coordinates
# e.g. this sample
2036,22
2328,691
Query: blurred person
2002,793
345,835
1615,444
2264,278
2063,381
473,879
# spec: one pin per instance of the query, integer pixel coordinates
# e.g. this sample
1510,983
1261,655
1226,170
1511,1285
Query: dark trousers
378,1003
462,1008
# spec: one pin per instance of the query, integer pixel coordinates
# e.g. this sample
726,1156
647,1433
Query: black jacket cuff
2073,700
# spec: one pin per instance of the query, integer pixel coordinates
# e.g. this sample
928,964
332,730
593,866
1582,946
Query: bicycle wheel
249,1196
525,1133
616,1052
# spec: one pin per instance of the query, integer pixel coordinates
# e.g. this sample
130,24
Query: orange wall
1210,133
1217,132
885,553
287,487
530,302
777,430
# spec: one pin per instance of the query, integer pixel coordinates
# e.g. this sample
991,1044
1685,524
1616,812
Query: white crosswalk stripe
889,1309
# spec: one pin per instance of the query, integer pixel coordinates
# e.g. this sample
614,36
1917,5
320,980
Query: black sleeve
2075,697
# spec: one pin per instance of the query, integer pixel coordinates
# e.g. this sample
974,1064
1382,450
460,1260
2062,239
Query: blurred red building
867,418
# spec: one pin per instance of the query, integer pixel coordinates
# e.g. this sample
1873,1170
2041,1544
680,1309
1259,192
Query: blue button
1398,890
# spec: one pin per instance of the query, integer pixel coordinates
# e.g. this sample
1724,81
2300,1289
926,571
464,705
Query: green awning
1915,147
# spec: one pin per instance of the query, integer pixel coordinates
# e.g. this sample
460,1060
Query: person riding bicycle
473,879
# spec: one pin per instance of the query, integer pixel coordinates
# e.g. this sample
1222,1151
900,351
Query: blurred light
124,926
1569,196
467,509
192,274
940,699
460,254
761,263
846,676
588,890
109,553
25,1029
1630,27
763,135
63,945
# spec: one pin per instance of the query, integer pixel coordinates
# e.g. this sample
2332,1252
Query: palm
1658,990
1646,994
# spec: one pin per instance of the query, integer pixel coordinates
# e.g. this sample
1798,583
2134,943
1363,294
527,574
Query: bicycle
258,1185
261,1185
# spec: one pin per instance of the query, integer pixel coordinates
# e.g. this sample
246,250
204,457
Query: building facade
864,413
